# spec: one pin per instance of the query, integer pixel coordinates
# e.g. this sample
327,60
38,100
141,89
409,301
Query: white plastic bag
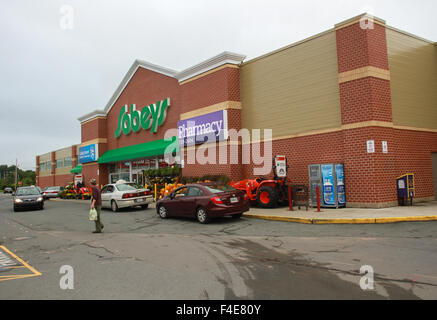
93,214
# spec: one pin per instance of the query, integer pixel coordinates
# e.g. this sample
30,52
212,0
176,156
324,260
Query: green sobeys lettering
135,118
120,120
151,117
146,118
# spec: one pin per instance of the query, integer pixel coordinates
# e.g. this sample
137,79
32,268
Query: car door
106,196
174,206
189,202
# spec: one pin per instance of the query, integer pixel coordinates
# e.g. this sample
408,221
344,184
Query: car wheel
162,212
145,206
202,215
114,206
41,207
237,216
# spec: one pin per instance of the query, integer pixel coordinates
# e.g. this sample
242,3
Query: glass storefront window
68,162
59,163
133,170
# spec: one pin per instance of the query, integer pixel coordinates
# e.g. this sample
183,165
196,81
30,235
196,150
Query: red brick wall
47,181
93,129
55,180
365,99
357,48
222,85
145,87
233,171
413,150
74,156
64,179
301,152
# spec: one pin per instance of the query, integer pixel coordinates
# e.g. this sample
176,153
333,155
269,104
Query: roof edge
211,63
91,115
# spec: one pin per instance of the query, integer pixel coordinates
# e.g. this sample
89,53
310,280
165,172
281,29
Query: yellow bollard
155,192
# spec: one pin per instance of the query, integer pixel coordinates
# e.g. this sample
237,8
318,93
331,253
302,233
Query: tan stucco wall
294,89
413,85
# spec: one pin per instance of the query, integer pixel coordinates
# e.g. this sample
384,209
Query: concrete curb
70,200
344,221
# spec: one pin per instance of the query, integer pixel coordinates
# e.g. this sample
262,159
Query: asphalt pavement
140,256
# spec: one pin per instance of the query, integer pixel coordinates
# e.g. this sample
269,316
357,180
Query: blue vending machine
331,182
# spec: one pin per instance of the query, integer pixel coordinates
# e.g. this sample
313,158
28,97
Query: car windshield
53,188
125,187
135,185
220,188
27,192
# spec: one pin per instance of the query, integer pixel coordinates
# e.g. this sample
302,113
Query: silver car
124,195
52,192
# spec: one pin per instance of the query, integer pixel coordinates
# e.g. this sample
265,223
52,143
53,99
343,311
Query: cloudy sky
54,69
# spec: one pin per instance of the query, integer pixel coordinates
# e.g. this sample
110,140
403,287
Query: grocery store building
361,94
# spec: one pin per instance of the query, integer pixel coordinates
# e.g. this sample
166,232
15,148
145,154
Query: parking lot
140,256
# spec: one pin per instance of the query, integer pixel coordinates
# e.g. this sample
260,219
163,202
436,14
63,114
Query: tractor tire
267,197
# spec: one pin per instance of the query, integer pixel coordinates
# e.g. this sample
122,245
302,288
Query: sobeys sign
150,117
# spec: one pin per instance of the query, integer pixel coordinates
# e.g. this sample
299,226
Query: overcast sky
51,74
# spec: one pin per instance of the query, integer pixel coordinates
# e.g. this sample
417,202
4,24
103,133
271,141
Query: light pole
16,172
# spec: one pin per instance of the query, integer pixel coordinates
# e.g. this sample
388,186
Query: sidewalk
425,211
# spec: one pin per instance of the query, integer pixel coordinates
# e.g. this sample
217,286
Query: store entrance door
434,173
137,177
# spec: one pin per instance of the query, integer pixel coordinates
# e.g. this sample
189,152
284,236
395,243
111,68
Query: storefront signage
149,118
370,146
384,147
88,153
281,166
78,179
210,127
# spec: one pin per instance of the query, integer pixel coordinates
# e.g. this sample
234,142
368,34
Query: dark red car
203,201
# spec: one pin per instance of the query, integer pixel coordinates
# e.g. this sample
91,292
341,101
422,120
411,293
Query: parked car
123,195
41,192
203,202
28,197
52,192
8,190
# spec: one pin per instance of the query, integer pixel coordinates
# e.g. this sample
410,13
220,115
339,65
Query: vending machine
331,182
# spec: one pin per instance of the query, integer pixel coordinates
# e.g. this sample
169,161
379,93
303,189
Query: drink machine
330,180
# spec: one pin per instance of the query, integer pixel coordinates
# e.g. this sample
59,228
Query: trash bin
406,189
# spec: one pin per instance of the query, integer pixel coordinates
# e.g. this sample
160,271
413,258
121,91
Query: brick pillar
366,114
94,131
53,168
37,171
73,156
218,89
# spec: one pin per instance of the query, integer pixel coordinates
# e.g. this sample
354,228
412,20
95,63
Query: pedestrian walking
96,203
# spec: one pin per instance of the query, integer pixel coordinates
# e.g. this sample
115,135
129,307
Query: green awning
142,150
77,169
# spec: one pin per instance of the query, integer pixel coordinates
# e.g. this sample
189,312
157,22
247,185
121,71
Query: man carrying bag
96,203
